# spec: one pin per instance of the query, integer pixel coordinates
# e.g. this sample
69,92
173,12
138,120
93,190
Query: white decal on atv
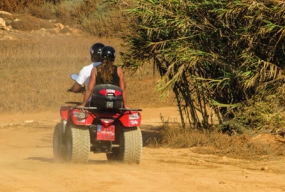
134,122
78,116
134,116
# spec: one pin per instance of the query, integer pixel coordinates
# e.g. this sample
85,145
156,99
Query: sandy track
27,164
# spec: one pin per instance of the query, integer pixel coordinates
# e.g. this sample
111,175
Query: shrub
27,23
39,12
19,6
212,54
248,145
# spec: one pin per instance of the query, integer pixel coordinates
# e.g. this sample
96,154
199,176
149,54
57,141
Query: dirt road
27,164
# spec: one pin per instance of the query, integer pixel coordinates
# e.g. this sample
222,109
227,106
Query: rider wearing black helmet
106,73
108,53
84,74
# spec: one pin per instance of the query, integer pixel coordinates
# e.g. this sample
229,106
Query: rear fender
81,117
130,119
64,112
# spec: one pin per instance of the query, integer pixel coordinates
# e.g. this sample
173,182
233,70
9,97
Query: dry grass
28,23
97,18
19,5
35,73
246,146
41,12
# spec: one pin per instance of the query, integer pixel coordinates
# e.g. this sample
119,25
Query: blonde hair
106,70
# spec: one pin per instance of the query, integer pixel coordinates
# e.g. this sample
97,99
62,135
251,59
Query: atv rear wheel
58,146
77,144
130,150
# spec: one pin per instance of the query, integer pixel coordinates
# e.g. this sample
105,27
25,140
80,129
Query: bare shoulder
119,69
94,69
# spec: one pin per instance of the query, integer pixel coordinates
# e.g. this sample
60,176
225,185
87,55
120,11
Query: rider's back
115,77
107,95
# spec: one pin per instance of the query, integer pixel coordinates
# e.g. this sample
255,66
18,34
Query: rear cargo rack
78,103
129,109
120,109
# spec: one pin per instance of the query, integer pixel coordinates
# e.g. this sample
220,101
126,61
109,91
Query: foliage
104,20
21,6
28,23
266,115
215,54
42,12
246,145
98,18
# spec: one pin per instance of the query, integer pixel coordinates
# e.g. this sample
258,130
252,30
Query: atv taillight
106,122
106,92
134,116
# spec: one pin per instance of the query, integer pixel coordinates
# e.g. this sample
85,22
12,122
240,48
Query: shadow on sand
150,133
52,160
42,159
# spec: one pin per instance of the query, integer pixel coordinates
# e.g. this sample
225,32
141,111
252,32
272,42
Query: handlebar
78,103
73,102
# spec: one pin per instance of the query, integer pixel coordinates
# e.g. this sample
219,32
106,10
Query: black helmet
95,49
108,53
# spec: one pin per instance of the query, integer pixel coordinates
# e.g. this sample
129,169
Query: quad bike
104,127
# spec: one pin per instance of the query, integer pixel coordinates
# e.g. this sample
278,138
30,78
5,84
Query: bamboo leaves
216,52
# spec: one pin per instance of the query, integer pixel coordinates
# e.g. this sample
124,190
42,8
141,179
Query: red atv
105,127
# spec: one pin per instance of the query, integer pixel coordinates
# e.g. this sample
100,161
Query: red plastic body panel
131,119
64,112
75,117
128,119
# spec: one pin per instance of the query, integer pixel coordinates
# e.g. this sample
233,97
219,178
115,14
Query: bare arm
90,87
122,86
78,86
